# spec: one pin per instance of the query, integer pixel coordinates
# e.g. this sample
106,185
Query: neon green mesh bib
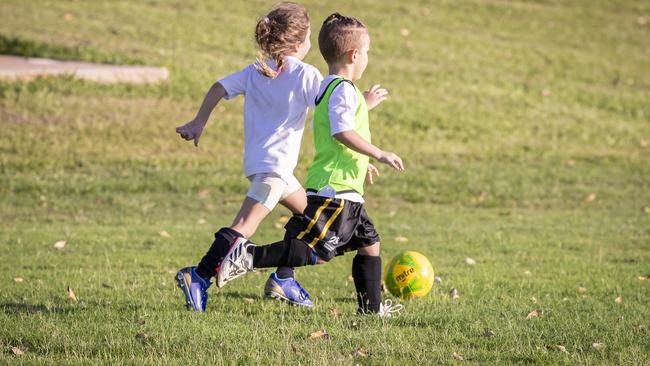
334,163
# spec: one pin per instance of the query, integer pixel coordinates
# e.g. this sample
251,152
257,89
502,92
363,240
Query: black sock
366,271
284,272
223,239
285,253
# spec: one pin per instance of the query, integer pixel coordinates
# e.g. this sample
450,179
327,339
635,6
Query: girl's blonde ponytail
278,34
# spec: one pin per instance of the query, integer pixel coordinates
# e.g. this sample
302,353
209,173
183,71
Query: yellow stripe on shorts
327,224
316,216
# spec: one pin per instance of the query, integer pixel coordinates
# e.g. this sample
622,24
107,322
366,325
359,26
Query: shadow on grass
240,295
26,48
20,308
345,299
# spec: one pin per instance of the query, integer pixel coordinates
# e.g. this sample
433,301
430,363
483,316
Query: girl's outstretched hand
375,95
192,130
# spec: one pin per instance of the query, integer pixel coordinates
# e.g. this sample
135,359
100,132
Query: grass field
524,127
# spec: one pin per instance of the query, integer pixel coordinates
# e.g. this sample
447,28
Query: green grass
538,104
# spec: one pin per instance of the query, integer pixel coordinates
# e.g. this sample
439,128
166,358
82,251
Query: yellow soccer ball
409,275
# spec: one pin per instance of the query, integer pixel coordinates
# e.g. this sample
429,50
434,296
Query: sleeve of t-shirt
342,108
311,84
235,84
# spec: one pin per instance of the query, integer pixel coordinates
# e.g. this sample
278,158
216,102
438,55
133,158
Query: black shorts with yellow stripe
332,226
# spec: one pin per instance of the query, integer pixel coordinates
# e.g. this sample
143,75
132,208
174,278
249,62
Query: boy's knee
372,250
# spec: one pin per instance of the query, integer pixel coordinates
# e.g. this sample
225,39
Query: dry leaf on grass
334,313
60,244
454,293
142,336
71,295
457,356
278,225
642,20
17,351
643,143
319,334
618,300
535,314
204,193
488,333
582,289
482,196
401,239
561,348
598,345
644,278
437,279
470,261
533,299
360,352
68,17
106,285
18,279
546,92
404,32
571,162
283,219
249,300
201,221
591,197
164,234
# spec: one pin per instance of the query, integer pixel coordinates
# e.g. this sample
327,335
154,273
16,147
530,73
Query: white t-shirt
274,113
342,106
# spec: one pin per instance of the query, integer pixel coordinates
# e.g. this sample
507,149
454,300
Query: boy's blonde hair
279,33
338,35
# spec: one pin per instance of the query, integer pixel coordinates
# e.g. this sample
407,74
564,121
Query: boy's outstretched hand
375,95
192,130
372,172
391,159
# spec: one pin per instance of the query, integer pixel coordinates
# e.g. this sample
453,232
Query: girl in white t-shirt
278,90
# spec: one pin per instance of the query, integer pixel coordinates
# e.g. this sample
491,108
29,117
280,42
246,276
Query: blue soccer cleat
194,287
287,289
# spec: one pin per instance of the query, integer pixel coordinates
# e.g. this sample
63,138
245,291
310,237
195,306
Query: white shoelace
387,309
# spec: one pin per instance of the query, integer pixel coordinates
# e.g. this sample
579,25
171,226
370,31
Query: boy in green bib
335,220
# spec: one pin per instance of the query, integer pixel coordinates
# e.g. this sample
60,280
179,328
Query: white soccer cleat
388,309
236,263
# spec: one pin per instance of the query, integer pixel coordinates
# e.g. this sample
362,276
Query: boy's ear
352,55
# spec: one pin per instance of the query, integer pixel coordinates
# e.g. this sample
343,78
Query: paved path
16,67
